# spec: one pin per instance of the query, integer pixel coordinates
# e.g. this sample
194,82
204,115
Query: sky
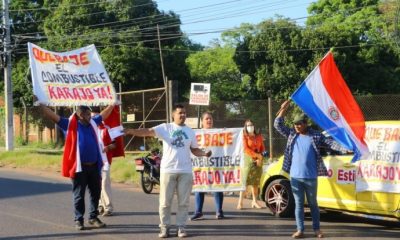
204,20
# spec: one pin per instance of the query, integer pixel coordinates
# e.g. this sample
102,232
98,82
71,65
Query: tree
367,62
390,10
215,65
267,54
27,18
278,54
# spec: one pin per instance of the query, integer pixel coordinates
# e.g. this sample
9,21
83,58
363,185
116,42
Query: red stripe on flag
341,96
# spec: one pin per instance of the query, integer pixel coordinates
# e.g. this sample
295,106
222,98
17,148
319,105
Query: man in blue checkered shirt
303,162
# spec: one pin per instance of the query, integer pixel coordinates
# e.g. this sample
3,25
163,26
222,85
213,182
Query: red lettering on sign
44,56
346,175
215,139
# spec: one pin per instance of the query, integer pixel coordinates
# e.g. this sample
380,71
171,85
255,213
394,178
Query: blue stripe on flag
304,99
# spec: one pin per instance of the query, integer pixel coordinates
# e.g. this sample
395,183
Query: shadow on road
349,219
18,188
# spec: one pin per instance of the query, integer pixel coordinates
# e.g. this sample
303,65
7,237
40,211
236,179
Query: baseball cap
300,118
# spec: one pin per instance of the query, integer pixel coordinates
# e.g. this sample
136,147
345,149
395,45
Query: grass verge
122,169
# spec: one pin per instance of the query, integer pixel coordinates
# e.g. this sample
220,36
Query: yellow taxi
370,187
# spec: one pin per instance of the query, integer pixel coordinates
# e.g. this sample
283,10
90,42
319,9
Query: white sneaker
182,232
164,232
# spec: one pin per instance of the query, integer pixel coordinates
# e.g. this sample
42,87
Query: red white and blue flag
326,99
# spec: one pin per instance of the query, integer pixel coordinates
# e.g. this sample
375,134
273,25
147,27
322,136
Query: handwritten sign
381,171
200,94
71,78
225,170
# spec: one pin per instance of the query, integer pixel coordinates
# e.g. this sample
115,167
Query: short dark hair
176,106
81,109
95,109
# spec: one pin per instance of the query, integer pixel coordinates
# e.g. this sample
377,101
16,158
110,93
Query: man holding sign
83,159
76,78
71,78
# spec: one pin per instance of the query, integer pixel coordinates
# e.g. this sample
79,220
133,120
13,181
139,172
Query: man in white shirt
176,167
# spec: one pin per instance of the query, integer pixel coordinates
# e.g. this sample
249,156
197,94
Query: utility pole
7,80
164,77
270,120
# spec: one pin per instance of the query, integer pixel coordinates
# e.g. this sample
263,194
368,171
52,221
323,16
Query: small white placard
130,117
191,122
116,132
200,94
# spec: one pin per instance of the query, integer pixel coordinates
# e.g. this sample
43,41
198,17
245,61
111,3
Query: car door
337,191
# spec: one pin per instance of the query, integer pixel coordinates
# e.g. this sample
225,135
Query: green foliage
216,66
20,141
252,61
122,170
33,159
275,54
372,65
261,54
153,144
47,146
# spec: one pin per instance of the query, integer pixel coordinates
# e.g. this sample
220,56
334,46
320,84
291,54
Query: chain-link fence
234,114
148,108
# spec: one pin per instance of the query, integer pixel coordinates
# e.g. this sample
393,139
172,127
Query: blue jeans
199,201
309,187
90,178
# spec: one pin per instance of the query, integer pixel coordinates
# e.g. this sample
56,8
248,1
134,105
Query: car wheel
279,198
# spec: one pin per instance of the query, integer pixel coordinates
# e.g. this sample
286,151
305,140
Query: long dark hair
256,131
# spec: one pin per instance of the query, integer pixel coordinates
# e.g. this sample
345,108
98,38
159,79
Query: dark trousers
90,178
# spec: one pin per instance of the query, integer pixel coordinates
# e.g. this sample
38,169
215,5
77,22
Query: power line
127,23
142,32
89,14
247,51
177,36
73,5
161,17
170,35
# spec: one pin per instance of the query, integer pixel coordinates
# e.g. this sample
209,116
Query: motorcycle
149,168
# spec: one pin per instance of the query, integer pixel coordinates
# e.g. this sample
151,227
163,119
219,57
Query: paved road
39,206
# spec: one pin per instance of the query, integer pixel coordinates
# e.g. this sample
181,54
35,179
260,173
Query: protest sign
71,78
200,94
381,171
224,170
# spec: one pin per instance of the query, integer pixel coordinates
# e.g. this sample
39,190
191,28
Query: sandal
319,234
298,234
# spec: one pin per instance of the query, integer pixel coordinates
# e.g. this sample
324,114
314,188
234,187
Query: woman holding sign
253,144
207,122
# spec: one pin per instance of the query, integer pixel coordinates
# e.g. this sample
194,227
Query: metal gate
143,109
